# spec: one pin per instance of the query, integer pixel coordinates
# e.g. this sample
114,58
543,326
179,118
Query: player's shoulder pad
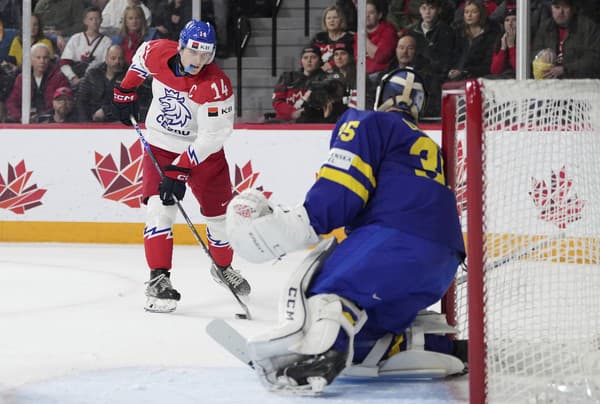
211,85
157,52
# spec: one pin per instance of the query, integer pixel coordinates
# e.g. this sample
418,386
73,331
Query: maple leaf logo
557,203
15,195
460,187
123,184
245,179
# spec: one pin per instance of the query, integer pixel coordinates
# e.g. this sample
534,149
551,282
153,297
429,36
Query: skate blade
288,386
155,305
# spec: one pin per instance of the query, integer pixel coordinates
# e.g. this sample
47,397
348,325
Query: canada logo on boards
245,178
556,201
122,183
15,194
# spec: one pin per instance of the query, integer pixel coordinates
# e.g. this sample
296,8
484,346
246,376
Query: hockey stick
233,342
515,256
189,222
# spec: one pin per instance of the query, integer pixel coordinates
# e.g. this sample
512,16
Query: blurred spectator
112,15
333,24
7,79
46,77
572,37
540,10
435,44
170,19
62,18
504,60
490,7
10,13
63,110
344,67
6,37
381,41
404,13
98,3
15,53
292,88
85,49
327,100
94,97
133,31
475,40
348,7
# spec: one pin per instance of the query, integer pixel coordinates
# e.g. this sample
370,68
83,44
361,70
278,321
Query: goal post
523,158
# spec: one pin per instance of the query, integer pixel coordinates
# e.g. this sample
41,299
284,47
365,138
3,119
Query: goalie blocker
314,342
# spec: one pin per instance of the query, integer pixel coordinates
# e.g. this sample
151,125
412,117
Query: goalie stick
228,337
244,307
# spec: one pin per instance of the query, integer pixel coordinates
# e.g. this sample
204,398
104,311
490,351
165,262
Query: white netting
541,172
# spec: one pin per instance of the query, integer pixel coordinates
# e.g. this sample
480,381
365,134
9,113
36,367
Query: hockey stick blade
233,342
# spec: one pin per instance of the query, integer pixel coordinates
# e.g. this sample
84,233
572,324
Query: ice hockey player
359,307
191,115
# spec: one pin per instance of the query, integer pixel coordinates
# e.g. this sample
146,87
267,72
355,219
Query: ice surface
73,330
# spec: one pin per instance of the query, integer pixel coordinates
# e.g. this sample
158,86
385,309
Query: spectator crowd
442,40
81,49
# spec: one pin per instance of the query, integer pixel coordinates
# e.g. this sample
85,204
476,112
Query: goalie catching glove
259,231
173,184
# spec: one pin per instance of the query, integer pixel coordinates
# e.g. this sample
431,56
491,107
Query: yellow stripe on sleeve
345,180
365,169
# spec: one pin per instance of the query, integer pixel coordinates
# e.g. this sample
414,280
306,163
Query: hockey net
524,160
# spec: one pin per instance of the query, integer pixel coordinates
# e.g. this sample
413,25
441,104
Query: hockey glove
125,104
173,185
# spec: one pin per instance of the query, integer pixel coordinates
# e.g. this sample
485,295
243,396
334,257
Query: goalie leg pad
261,232
307,331
414,362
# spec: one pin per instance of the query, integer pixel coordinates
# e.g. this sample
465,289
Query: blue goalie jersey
382,169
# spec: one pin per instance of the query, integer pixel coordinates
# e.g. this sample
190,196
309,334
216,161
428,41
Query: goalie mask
402,89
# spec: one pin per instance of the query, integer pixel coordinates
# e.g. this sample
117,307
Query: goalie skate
161,296
309,376
232,277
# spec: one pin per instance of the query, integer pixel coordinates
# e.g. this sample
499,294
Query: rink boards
83,183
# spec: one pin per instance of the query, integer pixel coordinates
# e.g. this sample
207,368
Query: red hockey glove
173,185
125,104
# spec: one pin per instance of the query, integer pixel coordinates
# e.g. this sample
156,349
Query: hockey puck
241,316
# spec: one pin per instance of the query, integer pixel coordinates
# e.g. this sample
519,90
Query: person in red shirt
381,41
46,77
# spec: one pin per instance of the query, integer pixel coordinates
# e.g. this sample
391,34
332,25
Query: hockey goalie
358,308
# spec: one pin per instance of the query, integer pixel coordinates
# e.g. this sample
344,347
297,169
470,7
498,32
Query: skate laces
160,281
232,276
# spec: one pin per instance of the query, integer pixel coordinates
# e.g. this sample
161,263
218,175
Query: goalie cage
523,159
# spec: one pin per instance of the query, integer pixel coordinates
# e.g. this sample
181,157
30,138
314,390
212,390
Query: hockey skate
311,374
233,277
162,297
